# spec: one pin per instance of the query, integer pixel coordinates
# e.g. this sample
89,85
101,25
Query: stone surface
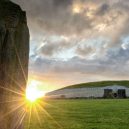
14,54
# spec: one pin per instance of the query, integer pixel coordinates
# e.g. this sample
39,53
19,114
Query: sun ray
15,100
39,106
20,63
10,90
37,114
16,82
35,104
53,106
11,111
21,120
30,112
20,117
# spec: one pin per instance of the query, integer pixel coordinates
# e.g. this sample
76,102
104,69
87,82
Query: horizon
77,41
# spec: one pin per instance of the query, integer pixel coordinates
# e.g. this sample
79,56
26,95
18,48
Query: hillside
99,84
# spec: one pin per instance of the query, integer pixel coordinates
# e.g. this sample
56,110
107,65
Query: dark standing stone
14,55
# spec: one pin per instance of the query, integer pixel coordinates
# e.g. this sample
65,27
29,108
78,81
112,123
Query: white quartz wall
85,92
78,92
127,92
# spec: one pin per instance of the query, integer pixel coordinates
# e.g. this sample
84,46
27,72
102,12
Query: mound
99,84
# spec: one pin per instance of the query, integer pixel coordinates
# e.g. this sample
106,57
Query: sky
77,41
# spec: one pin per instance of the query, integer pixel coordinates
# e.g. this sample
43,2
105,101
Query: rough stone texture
14,54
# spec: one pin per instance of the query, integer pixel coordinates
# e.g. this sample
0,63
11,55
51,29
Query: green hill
99,84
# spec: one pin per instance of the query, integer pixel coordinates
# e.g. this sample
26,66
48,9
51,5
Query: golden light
34,105
32,91
77,7
88,9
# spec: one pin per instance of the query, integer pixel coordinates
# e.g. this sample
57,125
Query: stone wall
93,92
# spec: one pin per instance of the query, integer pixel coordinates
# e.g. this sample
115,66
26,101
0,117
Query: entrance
121,93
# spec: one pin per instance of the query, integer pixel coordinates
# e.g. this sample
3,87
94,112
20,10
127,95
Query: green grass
99,84
83,114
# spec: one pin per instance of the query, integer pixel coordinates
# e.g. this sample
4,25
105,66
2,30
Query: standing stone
14,55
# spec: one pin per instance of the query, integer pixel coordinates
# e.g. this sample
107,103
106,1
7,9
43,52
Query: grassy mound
99,84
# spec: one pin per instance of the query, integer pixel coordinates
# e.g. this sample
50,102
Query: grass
99,84
83,114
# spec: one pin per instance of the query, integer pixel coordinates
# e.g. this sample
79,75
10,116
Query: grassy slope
84,114
99,84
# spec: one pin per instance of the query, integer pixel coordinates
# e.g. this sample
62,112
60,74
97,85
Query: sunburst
24,104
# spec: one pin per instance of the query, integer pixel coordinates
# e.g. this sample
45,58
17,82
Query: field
82,114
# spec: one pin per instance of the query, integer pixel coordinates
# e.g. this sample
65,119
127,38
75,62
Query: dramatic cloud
80,40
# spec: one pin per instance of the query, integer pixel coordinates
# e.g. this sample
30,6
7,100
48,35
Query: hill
99,84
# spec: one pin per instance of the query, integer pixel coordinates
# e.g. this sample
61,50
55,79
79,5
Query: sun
76,9
32,91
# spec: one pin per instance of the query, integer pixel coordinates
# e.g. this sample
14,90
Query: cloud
84,51
78,70
103,9
94,31
115,64
62,3
55,46
99,18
